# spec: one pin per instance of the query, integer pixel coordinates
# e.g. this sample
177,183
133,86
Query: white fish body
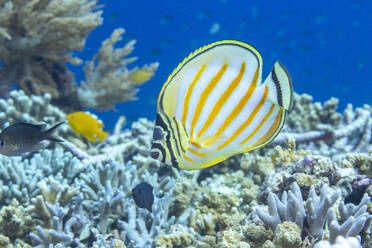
214,106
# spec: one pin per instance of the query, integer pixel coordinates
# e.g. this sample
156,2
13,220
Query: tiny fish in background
20,138
214,106
85,124
214,28
143,195
141,75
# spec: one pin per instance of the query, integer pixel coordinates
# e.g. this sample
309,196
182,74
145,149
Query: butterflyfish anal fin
280,86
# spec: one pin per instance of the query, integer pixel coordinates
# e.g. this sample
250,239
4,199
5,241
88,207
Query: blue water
325,45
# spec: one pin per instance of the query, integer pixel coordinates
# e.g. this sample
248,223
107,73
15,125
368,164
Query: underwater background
325,45
103,186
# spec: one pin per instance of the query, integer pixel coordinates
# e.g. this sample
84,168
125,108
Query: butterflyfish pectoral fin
280,86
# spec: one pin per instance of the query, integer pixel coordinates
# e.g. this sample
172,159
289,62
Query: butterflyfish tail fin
280,86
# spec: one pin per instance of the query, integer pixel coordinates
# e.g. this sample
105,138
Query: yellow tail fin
101,135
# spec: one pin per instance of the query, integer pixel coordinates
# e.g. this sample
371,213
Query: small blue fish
20,138
143,195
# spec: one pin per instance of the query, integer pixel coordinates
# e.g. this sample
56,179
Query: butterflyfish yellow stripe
271,131
189,92
200,154
187,158
192,142
259,125
247,121
222,100
238,108
204,95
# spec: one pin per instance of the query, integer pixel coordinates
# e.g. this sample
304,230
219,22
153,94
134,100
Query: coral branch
108,80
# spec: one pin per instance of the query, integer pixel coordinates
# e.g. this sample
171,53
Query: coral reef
327,132
108,81
19,107
38,40
81,196
350,242
317,210
310,188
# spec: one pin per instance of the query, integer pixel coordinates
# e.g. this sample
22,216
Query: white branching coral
317,210
108,80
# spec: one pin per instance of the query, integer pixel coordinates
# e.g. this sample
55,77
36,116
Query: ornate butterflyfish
214,105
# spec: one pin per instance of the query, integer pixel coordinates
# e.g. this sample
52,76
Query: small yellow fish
84,124
214,106
141,75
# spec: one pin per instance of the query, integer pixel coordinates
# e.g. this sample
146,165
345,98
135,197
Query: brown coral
38,38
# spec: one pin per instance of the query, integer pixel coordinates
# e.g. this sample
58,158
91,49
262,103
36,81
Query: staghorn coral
353,219
331,133
340,242
307,115
317,210
306,169
209,207
19,179
108,80
289,208
38,38
123,146
137,228
105,198
55,236
19,107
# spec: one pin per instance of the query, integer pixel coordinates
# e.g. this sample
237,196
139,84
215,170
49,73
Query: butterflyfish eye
156,154
2,143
